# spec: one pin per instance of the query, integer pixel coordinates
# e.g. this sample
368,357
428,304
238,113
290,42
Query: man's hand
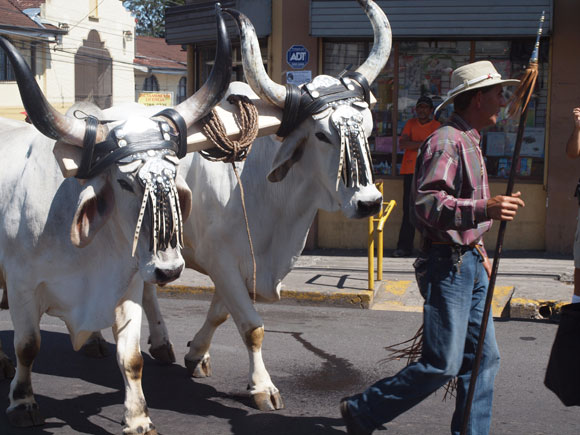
576,115
504,208
573,144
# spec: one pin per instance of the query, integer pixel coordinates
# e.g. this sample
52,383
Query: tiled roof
155,53
25,4
11,13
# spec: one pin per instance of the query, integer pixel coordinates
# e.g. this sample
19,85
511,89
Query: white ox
45,219
305,165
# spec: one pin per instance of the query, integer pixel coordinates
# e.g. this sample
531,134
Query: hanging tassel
521,97
140,218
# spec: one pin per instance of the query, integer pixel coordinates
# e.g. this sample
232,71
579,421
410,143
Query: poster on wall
156,98
533,142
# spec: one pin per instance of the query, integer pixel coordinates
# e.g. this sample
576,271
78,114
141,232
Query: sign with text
298,77
297,56
156,98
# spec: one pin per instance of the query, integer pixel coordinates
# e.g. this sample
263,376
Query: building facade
160,72
77,52
304,38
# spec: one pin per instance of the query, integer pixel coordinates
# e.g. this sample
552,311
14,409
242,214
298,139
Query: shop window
425,69
205,56
418,68
511,58
151,84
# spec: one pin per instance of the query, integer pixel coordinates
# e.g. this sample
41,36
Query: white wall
55,66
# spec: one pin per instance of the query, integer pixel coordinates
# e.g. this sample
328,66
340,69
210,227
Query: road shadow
165,387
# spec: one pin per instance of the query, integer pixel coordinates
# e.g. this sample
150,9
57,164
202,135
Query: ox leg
23,410
7,370
197,359
126,329
95,346
160,347
263,392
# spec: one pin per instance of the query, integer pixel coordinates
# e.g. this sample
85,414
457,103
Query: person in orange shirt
416,130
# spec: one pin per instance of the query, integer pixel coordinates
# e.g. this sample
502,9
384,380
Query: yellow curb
501,298
523,308
358,299
184,290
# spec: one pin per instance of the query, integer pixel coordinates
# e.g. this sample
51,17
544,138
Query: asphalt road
315,356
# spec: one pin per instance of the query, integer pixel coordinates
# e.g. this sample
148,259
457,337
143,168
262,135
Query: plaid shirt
450,185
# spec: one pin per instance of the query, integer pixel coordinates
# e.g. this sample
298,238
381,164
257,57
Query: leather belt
427,243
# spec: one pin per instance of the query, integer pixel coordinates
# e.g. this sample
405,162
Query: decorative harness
355,158
159,151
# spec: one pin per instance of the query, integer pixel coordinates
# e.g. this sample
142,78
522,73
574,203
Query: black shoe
352,426
402,253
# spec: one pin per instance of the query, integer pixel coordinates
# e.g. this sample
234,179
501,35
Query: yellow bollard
380,219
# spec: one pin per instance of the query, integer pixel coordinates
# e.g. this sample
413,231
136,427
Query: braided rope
226,149
231,151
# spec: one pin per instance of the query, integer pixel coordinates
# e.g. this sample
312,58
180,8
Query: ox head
129,167
326,122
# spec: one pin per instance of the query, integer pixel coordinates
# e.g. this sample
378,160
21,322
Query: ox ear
184,193
95,206
289,153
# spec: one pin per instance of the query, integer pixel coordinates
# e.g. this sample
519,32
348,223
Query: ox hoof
268,402
199,368
95,347
163,354
140,430
7,370
25,415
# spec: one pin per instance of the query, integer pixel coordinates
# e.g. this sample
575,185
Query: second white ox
305,165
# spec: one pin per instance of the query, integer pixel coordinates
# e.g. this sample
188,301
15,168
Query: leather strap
89,139
291,110
300,103
363,82
181,126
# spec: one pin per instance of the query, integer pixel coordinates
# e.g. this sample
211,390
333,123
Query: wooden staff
520,99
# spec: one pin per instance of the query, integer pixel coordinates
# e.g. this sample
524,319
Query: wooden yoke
69,156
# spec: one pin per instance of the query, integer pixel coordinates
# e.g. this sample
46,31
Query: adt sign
297,56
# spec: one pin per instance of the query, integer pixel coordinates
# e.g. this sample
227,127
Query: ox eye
124,185
322,137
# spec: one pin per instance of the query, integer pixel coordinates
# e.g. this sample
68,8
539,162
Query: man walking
452,211
416,130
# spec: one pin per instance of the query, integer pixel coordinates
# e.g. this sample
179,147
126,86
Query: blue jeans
454,302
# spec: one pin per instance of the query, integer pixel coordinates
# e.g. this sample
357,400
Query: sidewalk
530,284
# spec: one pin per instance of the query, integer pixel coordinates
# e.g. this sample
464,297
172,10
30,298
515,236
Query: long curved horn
254,69
45,118
213,90
379,55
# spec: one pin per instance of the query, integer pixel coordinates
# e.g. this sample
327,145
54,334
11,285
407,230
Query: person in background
573,151
452,209
416,130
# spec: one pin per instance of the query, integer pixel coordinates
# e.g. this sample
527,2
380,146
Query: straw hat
473,76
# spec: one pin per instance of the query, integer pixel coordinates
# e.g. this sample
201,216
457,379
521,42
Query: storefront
429,42
430,39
